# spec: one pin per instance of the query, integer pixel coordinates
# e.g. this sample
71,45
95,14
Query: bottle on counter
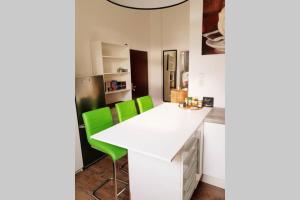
190,101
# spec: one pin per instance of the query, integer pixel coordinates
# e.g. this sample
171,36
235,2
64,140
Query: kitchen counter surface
160,132
216,115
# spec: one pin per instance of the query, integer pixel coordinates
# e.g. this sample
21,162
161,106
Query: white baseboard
213,181
79,170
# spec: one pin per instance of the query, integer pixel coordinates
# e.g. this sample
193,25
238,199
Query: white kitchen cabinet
82,70
96,56
214,154
177,179
95,59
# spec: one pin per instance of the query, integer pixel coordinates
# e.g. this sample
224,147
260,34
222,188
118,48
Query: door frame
163,74
144,51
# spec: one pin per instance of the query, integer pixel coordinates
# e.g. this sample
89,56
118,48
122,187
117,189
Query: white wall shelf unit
116,73
117,91
115,57
109,59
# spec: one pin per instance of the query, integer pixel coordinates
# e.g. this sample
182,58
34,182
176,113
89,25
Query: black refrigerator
89,95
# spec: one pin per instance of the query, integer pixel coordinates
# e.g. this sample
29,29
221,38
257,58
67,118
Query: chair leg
100,186
118,180
115,180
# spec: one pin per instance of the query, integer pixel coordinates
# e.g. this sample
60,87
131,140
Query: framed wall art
213,27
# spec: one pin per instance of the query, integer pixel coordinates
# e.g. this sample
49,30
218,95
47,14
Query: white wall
180,28
155,61
175,23
169,29
152,31
99,20
207,73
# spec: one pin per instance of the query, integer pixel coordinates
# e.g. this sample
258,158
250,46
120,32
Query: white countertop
160,132
216,115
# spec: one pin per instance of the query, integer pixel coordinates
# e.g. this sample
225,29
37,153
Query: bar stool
96,121
126,110
144,103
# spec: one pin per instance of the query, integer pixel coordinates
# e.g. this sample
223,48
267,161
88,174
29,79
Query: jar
199,103
195,102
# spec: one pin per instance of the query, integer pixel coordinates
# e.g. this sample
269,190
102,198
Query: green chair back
126,110
144,103
96,121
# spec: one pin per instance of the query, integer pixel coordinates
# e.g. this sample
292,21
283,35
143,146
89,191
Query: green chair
144,103
126,110
96,121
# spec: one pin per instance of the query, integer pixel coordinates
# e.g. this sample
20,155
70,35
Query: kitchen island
164,151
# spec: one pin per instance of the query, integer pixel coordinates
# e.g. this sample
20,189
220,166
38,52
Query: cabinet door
83,65
96,58
214,150
200,136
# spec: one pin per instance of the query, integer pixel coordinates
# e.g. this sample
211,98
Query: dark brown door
139,73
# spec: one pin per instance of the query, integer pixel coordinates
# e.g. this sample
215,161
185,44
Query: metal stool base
115,180
105,182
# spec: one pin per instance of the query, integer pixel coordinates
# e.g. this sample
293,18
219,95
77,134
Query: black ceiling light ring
125,5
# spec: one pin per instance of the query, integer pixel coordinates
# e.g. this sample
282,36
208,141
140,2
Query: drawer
190,156
199,131
188,169
188,194
189,181
190,143
190,175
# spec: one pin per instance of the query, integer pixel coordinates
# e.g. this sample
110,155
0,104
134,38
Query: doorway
139,73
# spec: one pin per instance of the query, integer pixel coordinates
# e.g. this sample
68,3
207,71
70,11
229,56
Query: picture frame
208,102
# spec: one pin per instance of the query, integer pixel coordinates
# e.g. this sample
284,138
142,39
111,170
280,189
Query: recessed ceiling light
147,4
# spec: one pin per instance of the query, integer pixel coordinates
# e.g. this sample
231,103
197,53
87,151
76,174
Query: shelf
116,73
117,91
113,44
115,57
112,105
